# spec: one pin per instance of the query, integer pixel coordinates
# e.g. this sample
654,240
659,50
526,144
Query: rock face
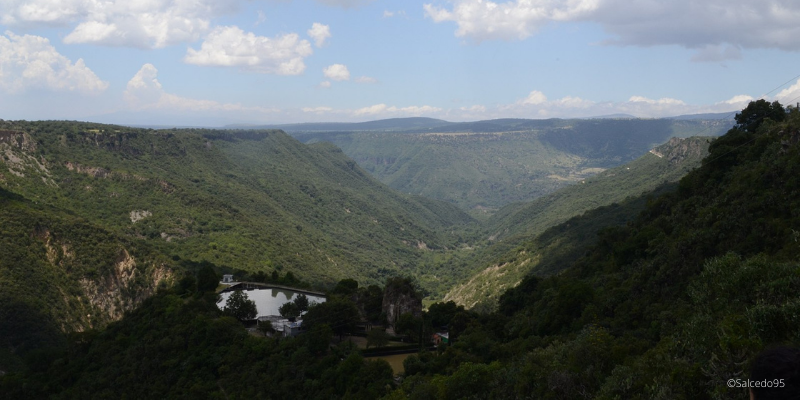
122,289
399,297
678,149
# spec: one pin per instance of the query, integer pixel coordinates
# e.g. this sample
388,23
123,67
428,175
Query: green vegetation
662,295
482,166
252,200
241,307
670,305
60,273
172,347
525,237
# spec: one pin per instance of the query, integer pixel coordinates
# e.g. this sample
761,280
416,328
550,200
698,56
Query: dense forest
482,166
669,303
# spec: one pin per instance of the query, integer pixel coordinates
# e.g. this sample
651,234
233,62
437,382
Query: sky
218,62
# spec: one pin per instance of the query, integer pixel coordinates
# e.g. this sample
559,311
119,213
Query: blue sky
216,62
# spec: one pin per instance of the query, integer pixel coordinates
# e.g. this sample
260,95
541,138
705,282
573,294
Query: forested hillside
505,254
671,305
253,200
482,166
60,273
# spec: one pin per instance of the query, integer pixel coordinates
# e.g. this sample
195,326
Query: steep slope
253,200
525,236
482,166
60,274
673,304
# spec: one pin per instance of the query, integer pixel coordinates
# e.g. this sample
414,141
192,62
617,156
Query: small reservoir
268,300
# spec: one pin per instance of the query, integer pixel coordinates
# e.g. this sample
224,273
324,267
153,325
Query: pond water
269,300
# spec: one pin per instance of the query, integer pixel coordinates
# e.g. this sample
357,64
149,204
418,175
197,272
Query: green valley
482,166
631,285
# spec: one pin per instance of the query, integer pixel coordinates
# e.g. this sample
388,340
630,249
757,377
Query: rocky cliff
400,297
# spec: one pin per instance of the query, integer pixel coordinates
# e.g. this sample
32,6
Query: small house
441,337
228,278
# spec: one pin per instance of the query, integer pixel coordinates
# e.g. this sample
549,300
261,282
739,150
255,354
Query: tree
756,112
240,306
408,325
346,287
289,310
266,327
301,301
207,279
377,338
339,314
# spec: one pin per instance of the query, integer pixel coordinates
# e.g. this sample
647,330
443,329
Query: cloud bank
716,28
31,62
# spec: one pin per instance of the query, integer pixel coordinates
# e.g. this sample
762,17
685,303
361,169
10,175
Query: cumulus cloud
789,95
320,33
536,105
29,61
229,46
144,92
718,28
144,24
337,72
519,19
325,84
366,79
535,97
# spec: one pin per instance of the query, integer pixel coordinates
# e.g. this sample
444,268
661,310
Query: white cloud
662,101
390,14
519,19
536,105
718,28
366,79
231,47
144,92
261,18
325,84
337,72
383,109
32,62
317,110
319,33
535,97
740,100
145,24
789,95
474,109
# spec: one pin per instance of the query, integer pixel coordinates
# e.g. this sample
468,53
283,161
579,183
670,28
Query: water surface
268,301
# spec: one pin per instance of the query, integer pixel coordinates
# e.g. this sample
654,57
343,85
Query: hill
670,305
253,200
484,165
520,235
60,273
